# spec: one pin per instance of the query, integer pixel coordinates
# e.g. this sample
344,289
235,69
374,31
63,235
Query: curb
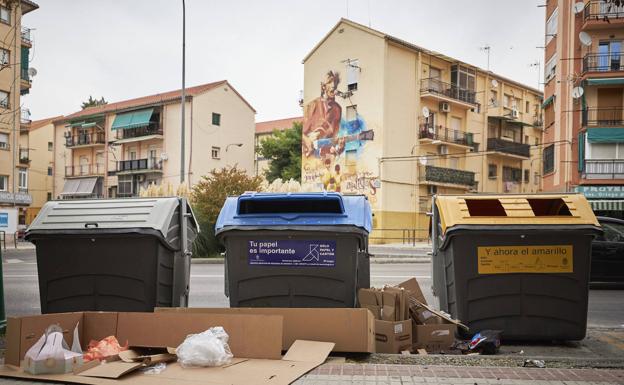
219,261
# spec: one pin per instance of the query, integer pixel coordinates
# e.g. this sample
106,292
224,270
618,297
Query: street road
21,291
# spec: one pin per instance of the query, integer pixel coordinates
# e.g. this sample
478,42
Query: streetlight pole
183,101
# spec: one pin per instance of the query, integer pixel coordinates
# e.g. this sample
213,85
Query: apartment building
15,80
584,105
118,149
264,130
399,123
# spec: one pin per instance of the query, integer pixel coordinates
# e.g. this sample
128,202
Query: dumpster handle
90,224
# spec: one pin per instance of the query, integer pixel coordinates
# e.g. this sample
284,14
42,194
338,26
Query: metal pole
2,311
183,91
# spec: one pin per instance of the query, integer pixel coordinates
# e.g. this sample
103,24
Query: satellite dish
578,7
494,83
425,112
32,72
577,92
422,160
585,39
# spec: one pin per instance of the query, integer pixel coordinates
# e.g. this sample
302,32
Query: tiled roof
150,100
43,122
280,125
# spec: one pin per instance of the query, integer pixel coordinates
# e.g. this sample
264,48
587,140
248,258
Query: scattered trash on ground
534,364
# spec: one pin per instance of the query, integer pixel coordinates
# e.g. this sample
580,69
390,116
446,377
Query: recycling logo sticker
291,253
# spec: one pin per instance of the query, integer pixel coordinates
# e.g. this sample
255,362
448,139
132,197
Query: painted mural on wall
339,151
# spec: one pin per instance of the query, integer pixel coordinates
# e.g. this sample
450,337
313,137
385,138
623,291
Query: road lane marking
14,260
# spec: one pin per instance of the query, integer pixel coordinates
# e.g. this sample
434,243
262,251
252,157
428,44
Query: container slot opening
549,207
485,208
289,206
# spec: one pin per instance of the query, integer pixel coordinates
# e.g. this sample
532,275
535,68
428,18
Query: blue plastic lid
295,209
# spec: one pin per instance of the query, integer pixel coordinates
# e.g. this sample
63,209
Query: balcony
440,133
603,117
602,15
506,147
604,169
447,92
447,176
152,131
139,166
26,38
25,119
24,157
85,140
85,170
603,62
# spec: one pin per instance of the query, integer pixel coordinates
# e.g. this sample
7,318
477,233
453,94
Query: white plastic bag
209,348
50,354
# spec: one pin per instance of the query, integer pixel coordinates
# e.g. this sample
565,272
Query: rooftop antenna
347,2
369,14
487,49
537,65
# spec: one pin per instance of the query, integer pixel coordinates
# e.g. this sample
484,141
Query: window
4,141
535,178
527,176
5,57
609,53
5,15
494,98
4,99
216,152
124,185
49,196
4,183
506,101
351,113
511,174
463,77
454,163
216,119
353,73
550,68
549,159
551,25
527,106
50,171
435,73
537,141
23,179
50,146
492,171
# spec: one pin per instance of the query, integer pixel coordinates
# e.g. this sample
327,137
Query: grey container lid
112,215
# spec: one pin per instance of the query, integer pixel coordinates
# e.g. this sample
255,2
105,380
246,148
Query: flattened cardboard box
433,338
258,344
351,329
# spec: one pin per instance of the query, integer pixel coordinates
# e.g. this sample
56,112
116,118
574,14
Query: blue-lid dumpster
295,249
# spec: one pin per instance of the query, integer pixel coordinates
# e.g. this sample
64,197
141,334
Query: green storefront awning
132,119
604,81
88,125
607,205
605,135
550,99
77,124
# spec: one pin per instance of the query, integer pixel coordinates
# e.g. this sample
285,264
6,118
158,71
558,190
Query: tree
283,149
93,102
208,197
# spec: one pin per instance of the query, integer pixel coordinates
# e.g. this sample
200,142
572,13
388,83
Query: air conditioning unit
432,190
514,113
443,150
445,107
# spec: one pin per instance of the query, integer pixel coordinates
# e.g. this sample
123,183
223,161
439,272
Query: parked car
607,264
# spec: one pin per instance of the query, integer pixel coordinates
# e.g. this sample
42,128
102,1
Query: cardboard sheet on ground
302,357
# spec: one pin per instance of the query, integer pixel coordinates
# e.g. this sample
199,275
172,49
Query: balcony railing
24,157
609,116
438,87
26,35
514,148
447,175
25,116
601,10
139,164
428,131
152,129
84,139
603,62
85,169
604,169
24,74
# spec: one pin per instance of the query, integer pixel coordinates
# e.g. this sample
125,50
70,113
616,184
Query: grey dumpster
295,250
113,255
516,263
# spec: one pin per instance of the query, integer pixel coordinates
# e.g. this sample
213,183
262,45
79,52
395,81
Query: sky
124,49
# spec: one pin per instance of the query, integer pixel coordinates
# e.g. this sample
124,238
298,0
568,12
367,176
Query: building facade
584,102
119,149
265,129
15,81
399,123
